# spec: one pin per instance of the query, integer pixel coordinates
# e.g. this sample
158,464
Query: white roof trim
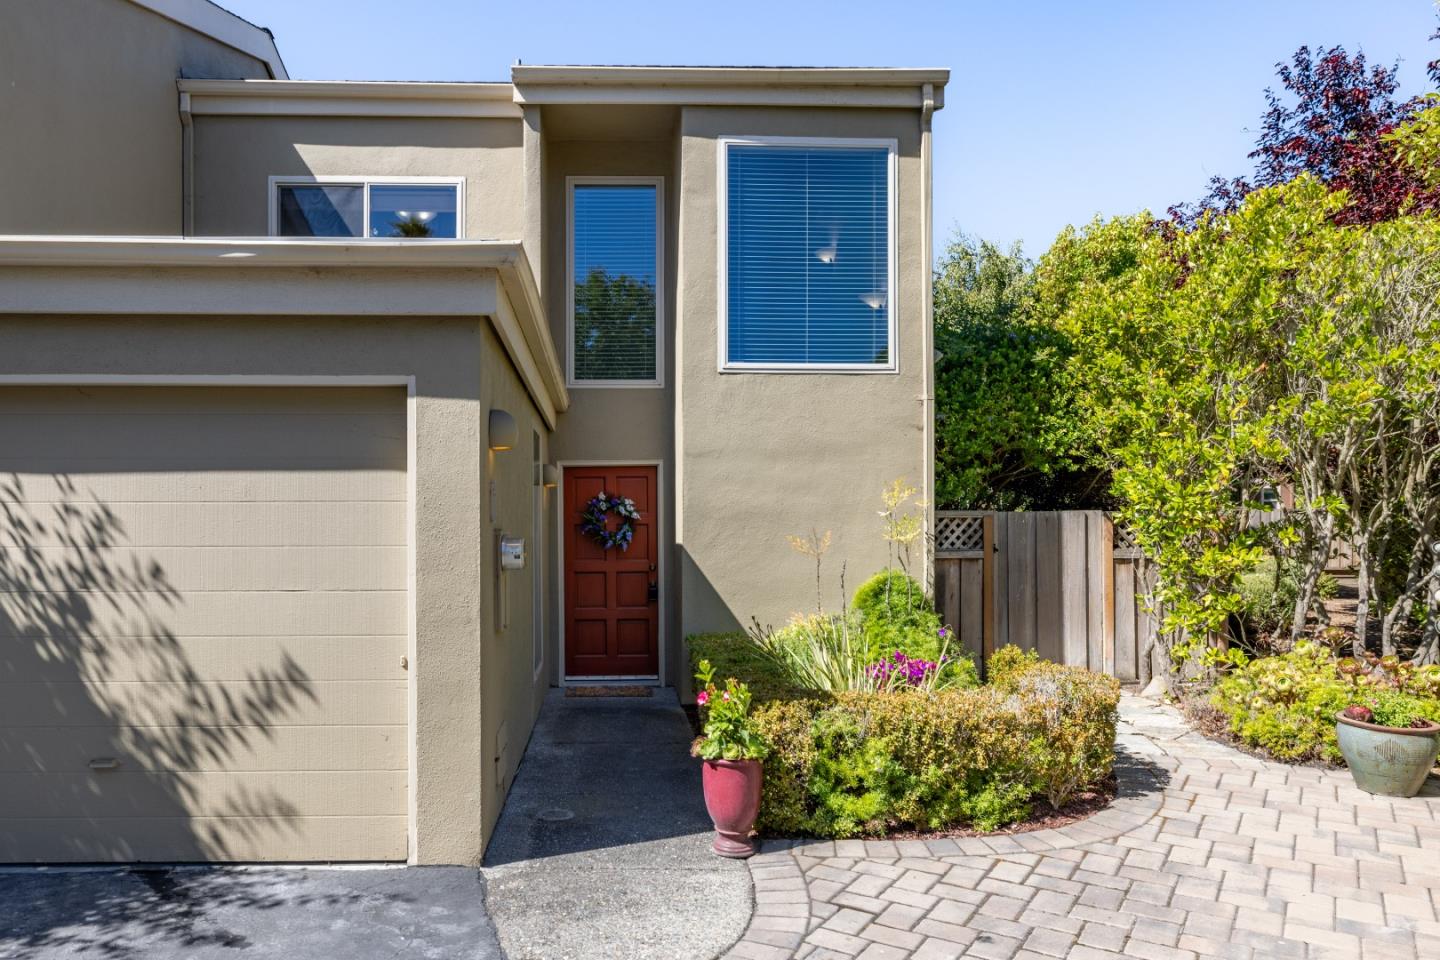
523,327
220,24
731,86
730,76
349,98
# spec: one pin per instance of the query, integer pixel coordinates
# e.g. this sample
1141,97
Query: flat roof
894,87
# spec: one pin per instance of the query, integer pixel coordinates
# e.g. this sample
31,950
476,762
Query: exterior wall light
549,476
503,431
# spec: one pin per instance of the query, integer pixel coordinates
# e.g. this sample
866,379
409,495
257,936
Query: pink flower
702,698
725,696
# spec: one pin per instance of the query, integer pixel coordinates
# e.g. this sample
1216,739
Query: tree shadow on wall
109,737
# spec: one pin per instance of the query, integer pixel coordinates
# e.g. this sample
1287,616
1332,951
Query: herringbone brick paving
1206,853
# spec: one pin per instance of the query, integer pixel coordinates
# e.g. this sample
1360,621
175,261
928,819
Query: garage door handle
105,763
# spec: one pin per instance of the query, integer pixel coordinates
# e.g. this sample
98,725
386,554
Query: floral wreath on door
594,520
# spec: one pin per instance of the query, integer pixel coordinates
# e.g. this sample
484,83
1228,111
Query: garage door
202,624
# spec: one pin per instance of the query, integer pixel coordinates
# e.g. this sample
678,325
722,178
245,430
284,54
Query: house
305,388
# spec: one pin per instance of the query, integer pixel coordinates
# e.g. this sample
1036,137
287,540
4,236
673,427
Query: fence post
987,589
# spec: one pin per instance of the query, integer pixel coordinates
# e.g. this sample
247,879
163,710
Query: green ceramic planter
1387,761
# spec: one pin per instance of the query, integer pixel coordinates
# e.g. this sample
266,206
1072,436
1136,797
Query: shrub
1268,594
863,763
896,615
1008,664
1285,705
732,655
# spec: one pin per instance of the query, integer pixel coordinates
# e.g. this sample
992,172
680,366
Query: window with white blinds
615,315
807,253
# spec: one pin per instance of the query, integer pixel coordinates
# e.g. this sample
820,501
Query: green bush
861,764
1268,594
1285,705
897,615
733,655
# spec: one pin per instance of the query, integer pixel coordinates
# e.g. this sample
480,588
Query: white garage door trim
265,380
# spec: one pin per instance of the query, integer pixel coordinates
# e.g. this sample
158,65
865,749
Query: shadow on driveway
245,914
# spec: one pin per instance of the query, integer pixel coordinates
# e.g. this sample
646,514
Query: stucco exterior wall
236,156
91,113
513,690
762,455
616,424
460,372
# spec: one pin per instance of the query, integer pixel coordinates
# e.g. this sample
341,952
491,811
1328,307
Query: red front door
612,621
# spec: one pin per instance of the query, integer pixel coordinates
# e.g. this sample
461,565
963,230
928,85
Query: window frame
722,265
660,285
274,183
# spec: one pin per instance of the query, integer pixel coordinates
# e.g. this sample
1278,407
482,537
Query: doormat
598,691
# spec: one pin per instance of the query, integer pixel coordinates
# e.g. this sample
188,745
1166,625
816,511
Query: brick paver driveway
1206,853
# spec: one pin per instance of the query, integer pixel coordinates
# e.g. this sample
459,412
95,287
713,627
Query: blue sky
1056,111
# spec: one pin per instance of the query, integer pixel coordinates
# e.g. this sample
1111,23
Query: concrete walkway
603,847
1207,853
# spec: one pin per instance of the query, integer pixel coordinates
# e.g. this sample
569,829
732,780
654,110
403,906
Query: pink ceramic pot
732,797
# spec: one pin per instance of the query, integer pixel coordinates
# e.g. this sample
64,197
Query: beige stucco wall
616,424
92,141
460,372
513,690
763,456
236,156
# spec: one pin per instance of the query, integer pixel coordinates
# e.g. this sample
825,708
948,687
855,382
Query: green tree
1003,439
1175,339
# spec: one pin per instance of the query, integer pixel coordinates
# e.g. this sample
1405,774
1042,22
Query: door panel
202,622
612,624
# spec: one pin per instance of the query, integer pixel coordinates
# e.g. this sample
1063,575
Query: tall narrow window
807,250
615,313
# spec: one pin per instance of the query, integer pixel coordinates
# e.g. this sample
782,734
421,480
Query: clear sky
1056,111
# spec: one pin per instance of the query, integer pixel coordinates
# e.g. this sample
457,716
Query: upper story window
807,254
395,208
615,315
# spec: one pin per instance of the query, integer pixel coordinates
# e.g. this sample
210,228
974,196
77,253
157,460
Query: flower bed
871,763
1284,706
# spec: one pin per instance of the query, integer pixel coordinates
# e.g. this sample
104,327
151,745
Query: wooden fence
1068,584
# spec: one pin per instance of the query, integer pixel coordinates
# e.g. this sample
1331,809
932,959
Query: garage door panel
143,483
266,524
257,703
70,749
296,426
190,569
228,838
121,794
208,585
148,614
217,658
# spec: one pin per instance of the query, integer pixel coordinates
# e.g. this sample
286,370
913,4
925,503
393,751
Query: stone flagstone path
1206,853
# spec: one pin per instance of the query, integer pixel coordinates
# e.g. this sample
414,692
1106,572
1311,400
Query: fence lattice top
963,534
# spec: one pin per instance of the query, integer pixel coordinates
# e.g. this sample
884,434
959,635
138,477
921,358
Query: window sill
809,368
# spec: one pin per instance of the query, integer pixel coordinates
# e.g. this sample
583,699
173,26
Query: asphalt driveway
436,913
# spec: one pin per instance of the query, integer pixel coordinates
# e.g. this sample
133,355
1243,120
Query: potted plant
732,751
1388,743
